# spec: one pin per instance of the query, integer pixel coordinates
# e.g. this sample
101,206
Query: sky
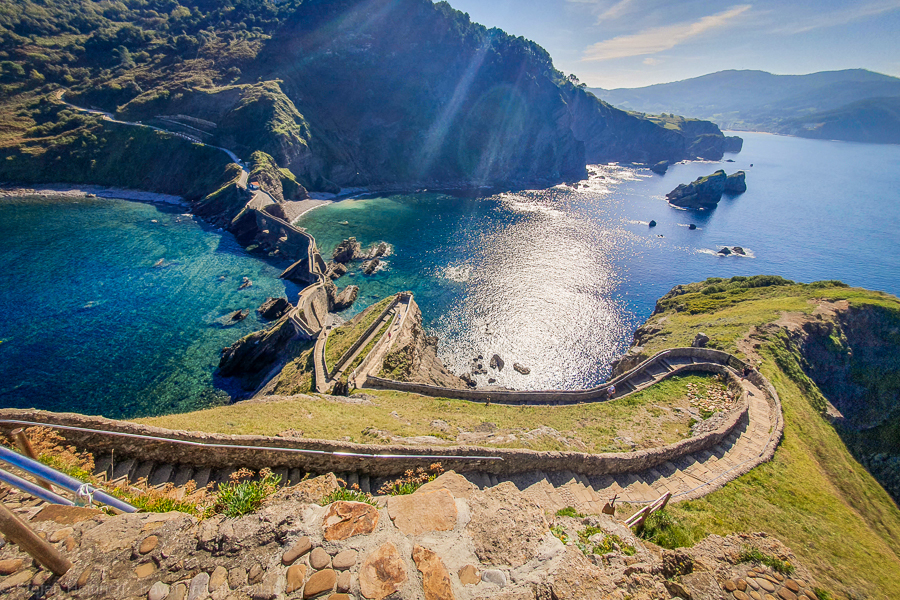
633,43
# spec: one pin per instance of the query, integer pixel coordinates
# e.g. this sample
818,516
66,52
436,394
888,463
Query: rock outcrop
735,183
346,298
661,167
253,354
274,308
705,192
413,356
370,266
346,251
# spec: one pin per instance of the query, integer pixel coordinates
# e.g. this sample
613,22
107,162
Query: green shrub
352,494
569,512
237,498
560,533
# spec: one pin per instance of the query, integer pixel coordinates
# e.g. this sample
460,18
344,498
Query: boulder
725,251
735,183
369,267
347,519
700,340
382,572
652,223
704,192
346,251
273,308
346,298
414,514
435,577
497,362
506,527
239,315
376,250
692,227
468,380
336,270
521,369
739,250
661,167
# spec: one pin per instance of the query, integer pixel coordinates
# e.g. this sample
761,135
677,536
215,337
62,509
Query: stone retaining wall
595,394
362,338
322,456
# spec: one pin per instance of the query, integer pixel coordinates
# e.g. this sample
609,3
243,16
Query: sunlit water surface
558,279
555,279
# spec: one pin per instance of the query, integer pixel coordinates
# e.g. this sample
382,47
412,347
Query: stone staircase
689,476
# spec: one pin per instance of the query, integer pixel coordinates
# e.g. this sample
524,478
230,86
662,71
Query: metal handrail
241,447
54,477
33,489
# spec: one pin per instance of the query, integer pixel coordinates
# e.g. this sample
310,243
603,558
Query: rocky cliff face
414,356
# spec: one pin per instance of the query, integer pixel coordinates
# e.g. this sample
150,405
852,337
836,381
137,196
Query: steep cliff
338,93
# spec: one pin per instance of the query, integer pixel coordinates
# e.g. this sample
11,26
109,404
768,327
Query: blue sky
632,43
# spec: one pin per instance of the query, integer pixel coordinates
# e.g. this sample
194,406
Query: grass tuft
754,555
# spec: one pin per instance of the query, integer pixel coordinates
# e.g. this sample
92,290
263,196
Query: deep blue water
554,279
558,279
89,324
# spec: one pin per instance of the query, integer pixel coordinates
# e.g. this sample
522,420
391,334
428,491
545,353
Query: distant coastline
86,191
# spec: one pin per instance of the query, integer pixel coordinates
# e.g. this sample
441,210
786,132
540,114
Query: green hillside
756,100
340,93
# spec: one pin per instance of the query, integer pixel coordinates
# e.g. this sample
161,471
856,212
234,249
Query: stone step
364,484
295,475
182,475
101,466
201,477
123,468
162,474
142,471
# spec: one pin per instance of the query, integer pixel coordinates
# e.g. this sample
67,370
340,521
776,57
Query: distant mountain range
853,104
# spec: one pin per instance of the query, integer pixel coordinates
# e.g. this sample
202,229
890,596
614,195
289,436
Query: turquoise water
558,279
90,324
554,279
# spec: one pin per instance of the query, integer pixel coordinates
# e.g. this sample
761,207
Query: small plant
569,512
664,530
822,594
750,554
411,481
351,494
610,542
560,533
241,496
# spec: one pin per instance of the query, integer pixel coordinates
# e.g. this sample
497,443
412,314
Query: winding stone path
688,477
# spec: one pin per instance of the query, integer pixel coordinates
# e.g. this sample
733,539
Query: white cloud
659,39
651,61
615,11
841,17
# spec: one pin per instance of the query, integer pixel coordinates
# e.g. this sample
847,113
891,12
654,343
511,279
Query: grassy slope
596,425
341,338
813,495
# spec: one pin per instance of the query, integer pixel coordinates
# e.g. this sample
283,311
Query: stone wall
362,338
131,440
713,361
289,240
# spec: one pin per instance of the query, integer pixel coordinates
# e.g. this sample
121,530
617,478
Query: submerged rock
739,250
239,315
725,251
245,283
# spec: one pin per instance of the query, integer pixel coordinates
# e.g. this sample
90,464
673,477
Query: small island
705,192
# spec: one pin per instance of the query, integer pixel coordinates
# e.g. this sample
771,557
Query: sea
554,279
